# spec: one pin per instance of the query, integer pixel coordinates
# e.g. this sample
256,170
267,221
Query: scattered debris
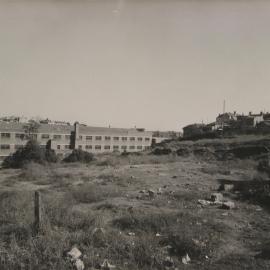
204,202
131,234
228,205
216,197
186,259
74,255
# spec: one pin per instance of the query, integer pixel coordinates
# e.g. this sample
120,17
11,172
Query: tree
31,152
31,129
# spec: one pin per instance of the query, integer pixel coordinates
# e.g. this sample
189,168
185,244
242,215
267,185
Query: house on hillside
266,116
225,120
247,122
194,130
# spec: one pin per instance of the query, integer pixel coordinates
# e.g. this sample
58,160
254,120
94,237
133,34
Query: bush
161,151
31,152
79,155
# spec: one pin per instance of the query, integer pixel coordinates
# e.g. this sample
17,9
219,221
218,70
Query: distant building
266,116
159,136
231,123
194,130
64,138
225,120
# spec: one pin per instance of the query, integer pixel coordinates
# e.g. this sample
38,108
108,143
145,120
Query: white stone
74,253
186,259
79,264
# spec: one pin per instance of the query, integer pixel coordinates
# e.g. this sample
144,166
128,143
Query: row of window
67,137
105,147
7,146
87,147
109,138
109,147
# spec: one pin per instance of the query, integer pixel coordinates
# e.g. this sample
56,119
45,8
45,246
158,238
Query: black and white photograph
134,134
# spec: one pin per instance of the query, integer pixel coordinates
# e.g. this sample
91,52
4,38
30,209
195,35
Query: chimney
76,135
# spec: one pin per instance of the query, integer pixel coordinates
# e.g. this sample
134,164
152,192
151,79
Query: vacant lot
139,212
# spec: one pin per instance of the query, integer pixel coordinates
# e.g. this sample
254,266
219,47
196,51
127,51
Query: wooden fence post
38,216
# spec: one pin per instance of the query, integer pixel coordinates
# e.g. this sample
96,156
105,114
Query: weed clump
79,155
90,193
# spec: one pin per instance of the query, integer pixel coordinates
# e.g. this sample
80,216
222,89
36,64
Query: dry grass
78,198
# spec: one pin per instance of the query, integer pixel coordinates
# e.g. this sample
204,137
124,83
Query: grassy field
138,231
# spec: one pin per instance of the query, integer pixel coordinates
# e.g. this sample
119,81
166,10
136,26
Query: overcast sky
149,63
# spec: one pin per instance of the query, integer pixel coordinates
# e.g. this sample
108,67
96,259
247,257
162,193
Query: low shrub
31,152
147,223
90,193
161,151
79,155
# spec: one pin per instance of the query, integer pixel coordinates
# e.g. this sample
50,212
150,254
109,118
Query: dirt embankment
221,149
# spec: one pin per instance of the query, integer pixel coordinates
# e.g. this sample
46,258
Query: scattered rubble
216,197
186,259
228,205
204,202
74,255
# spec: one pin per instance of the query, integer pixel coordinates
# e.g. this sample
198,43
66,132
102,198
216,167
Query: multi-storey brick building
64,138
